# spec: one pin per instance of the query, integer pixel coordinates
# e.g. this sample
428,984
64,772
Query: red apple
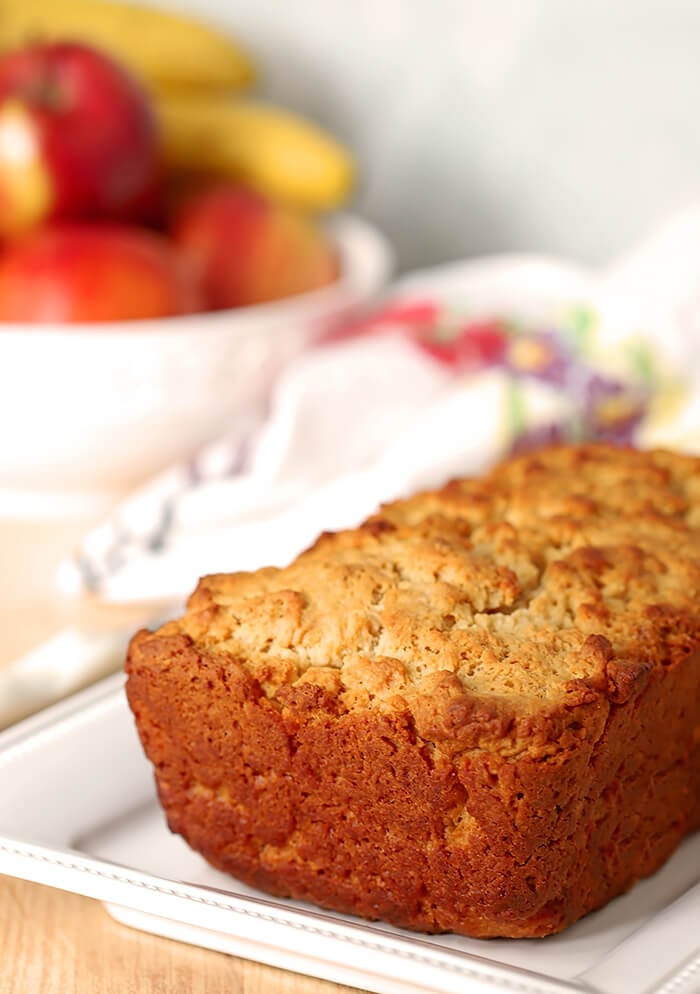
249,249
90,272
77,138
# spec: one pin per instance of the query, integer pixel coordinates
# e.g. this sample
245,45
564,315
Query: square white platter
78,811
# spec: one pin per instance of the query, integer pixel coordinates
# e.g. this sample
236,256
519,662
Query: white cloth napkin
551,350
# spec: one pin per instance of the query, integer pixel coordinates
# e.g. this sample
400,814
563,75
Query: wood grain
58,943
53,942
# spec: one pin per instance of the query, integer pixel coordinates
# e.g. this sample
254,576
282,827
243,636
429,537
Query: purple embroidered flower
608,410
541,355
612,409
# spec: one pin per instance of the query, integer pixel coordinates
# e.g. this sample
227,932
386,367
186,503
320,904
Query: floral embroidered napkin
462,365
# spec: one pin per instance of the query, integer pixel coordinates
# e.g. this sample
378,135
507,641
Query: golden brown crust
478,712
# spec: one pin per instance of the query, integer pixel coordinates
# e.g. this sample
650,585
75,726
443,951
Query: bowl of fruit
166,247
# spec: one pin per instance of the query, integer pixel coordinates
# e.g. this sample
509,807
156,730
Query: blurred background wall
565,126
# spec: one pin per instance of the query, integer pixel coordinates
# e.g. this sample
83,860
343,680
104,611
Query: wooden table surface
58,943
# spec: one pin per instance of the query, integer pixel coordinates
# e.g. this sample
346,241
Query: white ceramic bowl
95,409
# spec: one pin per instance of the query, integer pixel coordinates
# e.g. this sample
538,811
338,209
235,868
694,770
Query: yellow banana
168,52
274,151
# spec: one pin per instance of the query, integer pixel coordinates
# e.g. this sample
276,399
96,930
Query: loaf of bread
479,712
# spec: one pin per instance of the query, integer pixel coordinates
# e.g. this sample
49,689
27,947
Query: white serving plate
79,812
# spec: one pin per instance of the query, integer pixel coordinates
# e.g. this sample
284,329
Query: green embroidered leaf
642,362
515,412
580,325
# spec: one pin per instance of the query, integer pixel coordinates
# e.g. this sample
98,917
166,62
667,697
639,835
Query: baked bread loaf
479,712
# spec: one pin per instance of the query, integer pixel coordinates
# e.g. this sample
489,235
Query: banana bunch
168,52
278,153
194,74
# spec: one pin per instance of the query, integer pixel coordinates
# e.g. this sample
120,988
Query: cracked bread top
490,609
